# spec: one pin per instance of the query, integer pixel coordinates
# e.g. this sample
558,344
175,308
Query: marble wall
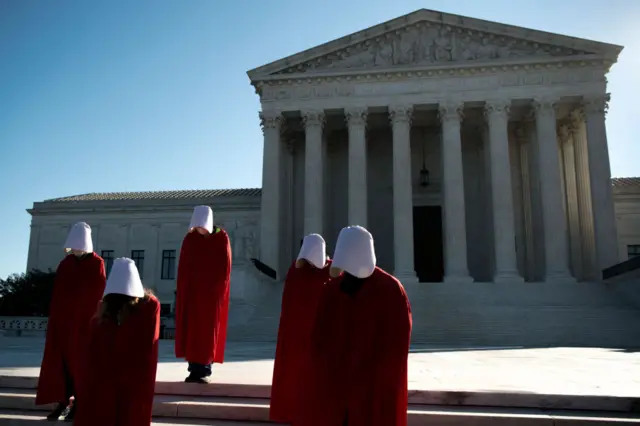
123,232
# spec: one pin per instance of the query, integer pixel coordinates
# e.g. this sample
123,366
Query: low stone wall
23,326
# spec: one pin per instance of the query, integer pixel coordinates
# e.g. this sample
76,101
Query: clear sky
115,95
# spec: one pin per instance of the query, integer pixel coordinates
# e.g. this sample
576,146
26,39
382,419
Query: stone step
32,418
257,410
453,398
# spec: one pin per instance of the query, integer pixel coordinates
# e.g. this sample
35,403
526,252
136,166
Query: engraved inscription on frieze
427,43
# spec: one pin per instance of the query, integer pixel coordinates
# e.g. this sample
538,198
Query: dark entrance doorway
427,243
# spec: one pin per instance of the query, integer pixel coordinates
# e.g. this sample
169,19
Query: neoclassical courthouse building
475,152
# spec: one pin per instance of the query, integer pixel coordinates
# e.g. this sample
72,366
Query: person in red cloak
202,298
360,342
117,384
79,283
302,288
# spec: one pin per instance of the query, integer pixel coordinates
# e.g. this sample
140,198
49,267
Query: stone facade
509,122
473,151
153,224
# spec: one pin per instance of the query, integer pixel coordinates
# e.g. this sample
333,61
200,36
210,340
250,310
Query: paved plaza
560,371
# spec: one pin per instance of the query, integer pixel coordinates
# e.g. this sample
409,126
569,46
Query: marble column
506,268
573,212
357,205
523,136
604,218
313,172
400,117
455,232
553,217
587,233
270,205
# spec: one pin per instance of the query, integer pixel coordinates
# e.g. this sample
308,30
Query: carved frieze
436,81
426,43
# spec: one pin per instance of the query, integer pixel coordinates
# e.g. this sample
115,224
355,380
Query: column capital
497,108
400,114
576,116
356,116
596,104
565,133
520,130
270,120
313,118
450,111
544,105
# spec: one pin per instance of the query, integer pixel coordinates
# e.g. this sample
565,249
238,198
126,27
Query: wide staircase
533,314
238,404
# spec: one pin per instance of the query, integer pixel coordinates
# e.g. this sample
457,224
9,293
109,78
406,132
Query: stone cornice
89,207
513,75
452,69
450,21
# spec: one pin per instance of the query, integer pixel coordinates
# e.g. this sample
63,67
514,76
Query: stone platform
541,384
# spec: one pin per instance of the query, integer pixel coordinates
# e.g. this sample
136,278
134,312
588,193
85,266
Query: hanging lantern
424,176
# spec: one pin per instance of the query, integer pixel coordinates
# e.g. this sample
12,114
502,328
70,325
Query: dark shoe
57,412
71,413
200,380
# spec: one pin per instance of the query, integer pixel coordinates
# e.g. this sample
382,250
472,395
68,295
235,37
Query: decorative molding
400,114
356,116
313,118
451,111
596,104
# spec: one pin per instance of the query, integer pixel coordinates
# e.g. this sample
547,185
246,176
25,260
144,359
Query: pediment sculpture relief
426,43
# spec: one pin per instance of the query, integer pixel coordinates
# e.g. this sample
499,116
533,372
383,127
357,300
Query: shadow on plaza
25,352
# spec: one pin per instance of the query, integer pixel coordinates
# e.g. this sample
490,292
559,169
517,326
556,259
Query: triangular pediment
427,38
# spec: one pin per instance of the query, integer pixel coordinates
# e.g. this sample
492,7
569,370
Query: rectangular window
107,256
138,257
168,264
165,309
633,250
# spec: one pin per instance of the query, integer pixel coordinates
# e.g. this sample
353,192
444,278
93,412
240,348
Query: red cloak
79,285
302,289
119,380
359,356
202,297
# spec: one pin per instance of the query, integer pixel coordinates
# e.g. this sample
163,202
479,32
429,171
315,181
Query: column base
561,278
406,277
458,279
508,277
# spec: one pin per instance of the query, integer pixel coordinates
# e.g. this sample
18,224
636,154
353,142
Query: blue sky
100,96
